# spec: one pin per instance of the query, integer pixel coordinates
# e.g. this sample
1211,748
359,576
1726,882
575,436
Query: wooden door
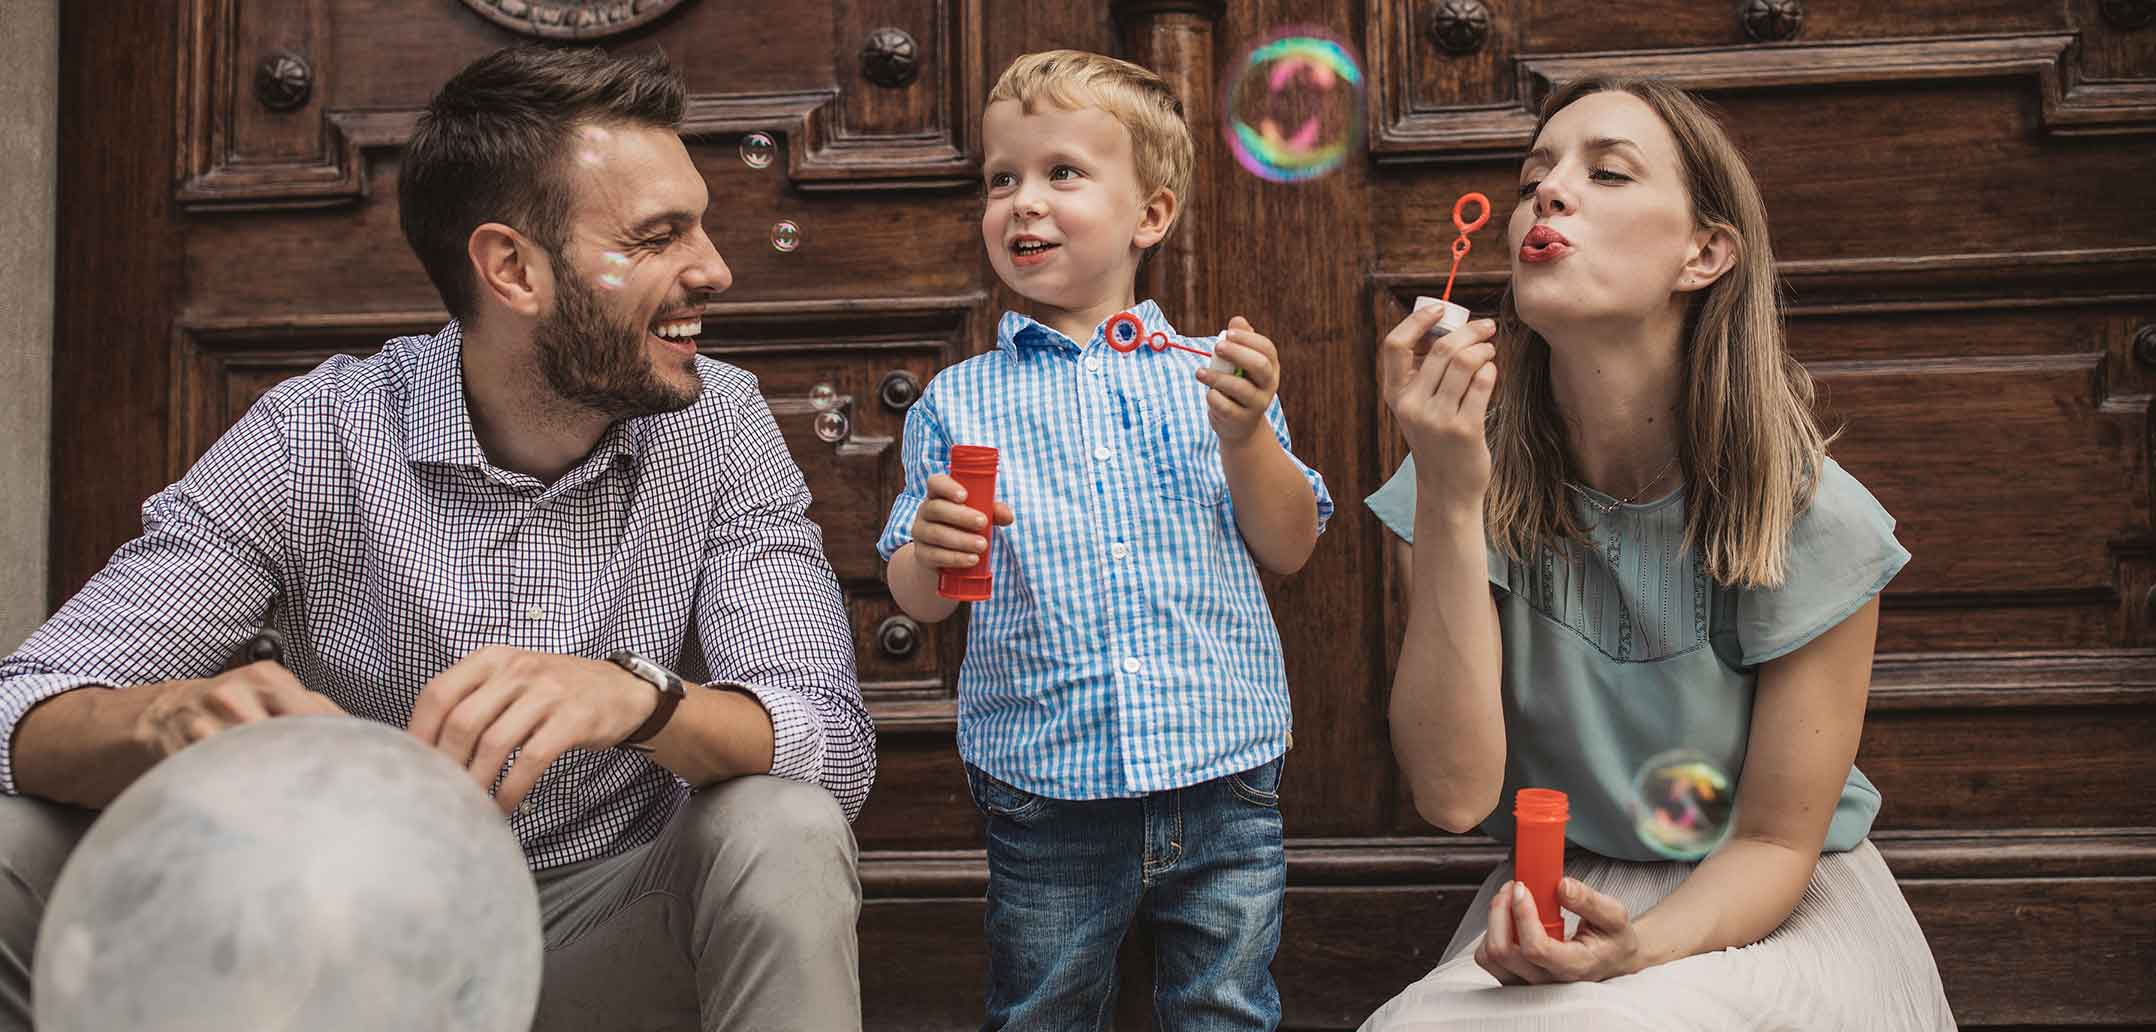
1964,202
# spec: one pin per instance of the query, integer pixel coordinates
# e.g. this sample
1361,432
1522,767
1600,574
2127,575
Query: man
450,533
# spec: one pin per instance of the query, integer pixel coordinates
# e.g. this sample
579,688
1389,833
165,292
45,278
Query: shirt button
536,612
1092,365
1104,453
524,808
1132,666
1119,550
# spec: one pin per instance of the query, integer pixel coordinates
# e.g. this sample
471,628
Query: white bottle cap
1222,365
1455,315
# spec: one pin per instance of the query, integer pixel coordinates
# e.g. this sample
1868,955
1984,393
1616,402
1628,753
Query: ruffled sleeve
1394,506
1842,552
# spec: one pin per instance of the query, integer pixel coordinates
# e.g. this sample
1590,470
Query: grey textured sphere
316,873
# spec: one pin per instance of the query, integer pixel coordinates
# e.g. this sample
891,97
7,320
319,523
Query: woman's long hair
1748,443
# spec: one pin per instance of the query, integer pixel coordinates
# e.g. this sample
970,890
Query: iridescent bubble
824,397
614,270
785,236
1682,803
1291,108
832,426
757,150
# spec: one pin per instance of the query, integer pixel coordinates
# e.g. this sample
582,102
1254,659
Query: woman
1640,545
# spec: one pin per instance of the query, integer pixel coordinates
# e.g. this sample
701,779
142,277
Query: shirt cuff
796,733
17,699
898,526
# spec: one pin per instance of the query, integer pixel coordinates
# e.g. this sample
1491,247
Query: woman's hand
1517,951
1439,394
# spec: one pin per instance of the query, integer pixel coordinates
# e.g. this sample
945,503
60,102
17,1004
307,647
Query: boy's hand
946,531
1236,404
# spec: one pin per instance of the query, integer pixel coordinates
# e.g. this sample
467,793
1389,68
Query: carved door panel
1963,194
1963,199
291,115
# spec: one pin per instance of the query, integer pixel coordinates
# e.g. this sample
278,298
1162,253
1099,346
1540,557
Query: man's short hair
1142,101
493,147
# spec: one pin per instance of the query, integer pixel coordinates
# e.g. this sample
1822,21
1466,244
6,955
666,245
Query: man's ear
1713,251
1158,216
510,269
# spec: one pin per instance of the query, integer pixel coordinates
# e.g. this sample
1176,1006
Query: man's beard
593,361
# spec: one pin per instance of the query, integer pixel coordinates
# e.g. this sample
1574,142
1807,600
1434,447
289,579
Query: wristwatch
671,691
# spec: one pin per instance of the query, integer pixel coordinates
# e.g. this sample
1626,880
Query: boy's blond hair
1160,140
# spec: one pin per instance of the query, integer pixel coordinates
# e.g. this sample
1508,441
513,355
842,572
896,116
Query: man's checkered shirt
1128,647
354,509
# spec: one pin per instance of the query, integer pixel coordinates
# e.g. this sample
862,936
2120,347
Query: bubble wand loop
1126,333
1460,247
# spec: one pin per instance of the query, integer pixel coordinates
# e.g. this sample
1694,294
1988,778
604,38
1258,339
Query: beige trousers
739,916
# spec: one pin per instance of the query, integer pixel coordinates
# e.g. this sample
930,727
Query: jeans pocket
997,799
1260,785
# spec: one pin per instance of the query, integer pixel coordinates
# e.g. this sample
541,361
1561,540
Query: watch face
660,677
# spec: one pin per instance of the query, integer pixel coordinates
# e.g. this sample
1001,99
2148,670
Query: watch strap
670,687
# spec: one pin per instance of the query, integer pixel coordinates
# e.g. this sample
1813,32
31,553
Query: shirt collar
438,420
437,423
1017,330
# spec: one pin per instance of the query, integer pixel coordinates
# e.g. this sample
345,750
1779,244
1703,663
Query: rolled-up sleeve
772,621
1276,417
175,602
924,452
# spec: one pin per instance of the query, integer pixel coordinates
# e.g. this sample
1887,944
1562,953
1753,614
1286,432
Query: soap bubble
1682,804
832,426
1292,107
594,137
824,397
757,150
614,270
785,236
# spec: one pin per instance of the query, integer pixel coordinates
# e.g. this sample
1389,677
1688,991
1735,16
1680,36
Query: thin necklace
1605,509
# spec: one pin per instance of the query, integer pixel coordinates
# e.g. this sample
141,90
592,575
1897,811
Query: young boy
1122,710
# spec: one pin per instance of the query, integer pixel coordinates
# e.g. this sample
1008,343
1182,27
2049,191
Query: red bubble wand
1126,333
1460,246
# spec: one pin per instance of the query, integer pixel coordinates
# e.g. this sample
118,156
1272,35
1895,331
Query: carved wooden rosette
1460,27
583,20
900,110
283,80
890,58
1772,21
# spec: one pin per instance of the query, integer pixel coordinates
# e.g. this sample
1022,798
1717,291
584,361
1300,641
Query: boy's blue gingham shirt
1128,647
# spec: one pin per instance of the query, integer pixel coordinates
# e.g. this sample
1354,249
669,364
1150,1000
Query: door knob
898,637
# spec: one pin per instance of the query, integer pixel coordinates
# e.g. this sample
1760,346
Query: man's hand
1236,404
539,705
947,533
182,713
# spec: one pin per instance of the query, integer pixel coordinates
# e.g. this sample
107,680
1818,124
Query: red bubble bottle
1538,851
974,467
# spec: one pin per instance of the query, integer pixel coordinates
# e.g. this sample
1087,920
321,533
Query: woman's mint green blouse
1615,655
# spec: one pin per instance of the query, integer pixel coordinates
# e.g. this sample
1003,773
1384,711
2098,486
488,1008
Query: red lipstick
1544,244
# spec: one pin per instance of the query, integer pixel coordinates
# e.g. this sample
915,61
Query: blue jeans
1202,866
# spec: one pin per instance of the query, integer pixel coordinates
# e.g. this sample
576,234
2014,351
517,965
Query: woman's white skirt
1850,957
